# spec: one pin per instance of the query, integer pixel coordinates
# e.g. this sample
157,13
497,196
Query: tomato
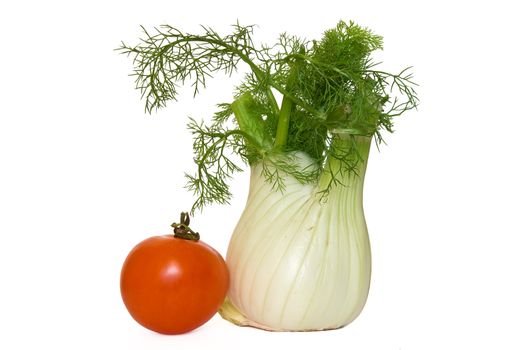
172,285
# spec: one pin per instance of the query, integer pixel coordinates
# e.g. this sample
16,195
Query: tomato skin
172,285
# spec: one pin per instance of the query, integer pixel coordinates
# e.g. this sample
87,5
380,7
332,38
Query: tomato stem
182,230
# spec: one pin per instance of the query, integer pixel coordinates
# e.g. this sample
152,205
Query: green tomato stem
182,230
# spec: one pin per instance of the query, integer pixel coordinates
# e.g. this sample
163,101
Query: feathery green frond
329,87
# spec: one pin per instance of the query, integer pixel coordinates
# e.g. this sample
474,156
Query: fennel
307,155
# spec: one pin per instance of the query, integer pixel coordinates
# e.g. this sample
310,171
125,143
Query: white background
85,174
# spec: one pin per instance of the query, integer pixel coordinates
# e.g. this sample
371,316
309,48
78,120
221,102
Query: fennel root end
230,313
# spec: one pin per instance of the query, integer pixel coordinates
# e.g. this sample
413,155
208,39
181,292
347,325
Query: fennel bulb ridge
298,262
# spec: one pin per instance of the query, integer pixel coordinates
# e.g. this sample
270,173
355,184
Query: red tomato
173,285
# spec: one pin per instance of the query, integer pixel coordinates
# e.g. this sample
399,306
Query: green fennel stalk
332,99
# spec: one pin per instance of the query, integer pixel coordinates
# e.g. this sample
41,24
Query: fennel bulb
297,262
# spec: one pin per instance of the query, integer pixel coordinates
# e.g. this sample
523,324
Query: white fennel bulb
297,261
